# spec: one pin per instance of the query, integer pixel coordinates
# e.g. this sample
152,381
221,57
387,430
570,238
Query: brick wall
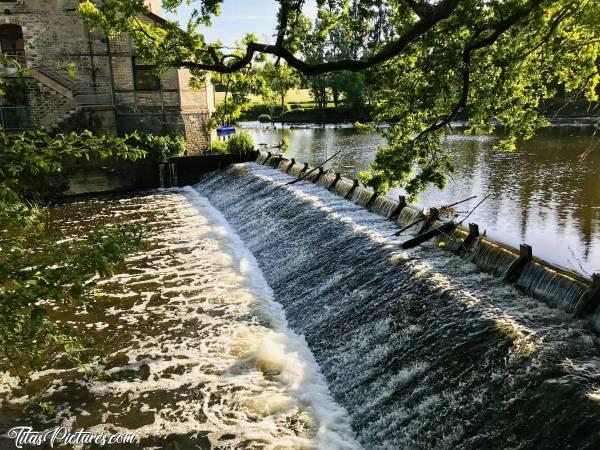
197,135
55,35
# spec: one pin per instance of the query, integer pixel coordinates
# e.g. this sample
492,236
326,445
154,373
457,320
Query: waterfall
161,174
421,348
173,175
197,352
168,179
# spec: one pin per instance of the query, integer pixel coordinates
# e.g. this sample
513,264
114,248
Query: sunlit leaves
39,268
551,47
552,50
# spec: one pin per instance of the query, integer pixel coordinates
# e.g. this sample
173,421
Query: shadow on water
543,194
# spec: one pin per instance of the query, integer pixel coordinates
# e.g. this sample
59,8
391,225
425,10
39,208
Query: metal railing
56,74
55,108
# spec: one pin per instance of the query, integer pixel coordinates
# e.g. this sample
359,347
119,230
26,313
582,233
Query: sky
239,17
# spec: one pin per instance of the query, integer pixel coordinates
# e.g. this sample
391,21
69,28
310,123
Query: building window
144,77
11,41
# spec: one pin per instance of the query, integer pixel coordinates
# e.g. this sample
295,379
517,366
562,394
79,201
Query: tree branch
421,9
438,13
499,28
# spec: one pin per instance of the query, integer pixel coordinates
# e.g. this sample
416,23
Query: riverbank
299,114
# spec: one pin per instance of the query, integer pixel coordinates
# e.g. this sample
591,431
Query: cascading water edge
422,349
196,354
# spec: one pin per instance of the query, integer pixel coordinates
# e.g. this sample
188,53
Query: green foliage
240,144
239,86
278,80
505,83
39,268
219,146
159,148
364,127
420,64
264,118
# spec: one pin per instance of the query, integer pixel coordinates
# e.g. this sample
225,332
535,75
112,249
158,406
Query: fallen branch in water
315,168
476,206
410,225
446,210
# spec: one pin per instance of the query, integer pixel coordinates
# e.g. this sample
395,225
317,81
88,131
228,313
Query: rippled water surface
543,194
198,355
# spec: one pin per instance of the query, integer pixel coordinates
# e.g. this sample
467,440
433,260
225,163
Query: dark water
543,194
421,349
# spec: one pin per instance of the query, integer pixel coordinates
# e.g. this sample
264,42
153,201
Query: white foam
281,350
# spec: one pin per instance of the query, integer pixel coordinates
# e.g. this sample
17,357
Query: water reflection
542,194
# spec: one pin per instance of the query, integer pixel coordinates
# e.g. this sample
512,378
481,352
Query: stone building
78,79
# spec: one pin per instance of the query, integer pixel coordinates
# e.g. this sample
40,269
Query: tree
429,62
39,268
279,78
238,87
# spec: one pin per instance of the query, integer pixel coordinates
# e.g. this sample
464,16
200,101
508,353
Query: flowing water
198,353
419,347
267,315
543,194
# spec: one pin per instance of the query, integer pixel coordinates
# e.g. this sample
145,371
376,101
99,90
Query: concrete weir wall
83,177
557,287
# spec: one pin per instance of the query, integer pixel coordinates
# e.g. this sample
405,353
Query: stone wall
100,119
196,131
54,35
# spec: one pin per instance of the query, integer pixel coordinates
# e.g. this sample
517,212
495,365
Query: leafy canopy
425,62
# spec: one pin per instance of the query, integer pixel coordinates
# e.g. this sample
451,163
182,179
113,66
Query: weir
402,336
422,348
555,286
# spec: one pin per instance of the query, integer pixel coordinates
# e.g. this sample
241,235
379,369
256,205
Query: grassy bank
300,108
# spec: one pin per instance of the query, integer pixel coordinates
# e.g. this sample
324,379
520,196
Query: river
543,194
267,315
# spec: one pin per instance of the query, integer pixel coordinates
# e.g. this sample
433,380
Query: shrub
159,148
219,146
240,144
264,118
363,127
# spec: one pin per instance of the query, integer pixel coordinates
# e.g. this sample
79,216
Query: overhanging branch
438,13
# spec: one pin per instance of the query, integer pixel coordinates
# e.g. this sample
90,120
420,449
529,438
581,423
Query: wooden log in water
354,186
371,200
401,205
292,162
337,178
423,237
319,175
516,268
304,169
433,215
470,239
